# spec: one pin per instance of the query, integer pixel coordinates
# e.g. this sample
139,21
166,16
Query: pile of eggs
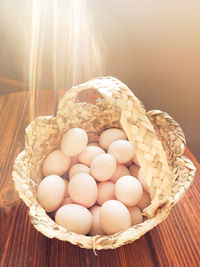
104,191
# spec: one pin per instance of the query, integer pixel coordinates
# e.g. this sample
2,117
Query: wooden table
175,242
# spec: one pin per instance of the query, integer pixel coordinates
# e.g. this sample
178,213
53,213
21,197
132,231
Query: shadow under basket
158,141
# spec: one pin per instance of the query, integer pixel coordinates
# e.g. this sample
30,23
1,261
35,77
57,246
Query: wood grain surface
175,242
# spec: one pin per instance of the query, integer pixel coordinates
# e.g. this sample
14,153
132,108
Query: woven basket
158,141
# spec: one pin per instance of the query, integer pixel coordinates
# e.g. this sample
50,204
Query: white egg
56,163
128,190
82,189
145,201
122,150
142,180
103,167
96,226
109,136
106,191
134,169
120,171
74,142
90,153
74,218
93,144
114,217
77,168
136,215
51,192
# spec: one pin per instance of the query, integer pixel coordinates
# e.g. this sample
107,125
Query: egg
74,142
142,180
134,169
66,201
109,136
90,153
96,228
82,189
74,218
135,160
128,190
51,192
93,144
122,150
66,188
114,217
120,171
136,215
103,167
77,168
145,201
105,192
56,163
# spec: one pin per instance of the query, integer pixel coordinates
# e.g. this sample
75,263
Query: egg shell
145,201
120,171
122,150
135,160
74,218
74,142
51,192
82,189
89,154
103,167
56,163
114,217
106,191
134,169
109,136
128,190
78,168
96,228
93,144
136,215
66,188
142,180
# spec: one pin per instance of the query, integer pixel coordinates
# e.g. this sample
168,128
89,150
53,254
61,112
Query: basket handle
140,132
